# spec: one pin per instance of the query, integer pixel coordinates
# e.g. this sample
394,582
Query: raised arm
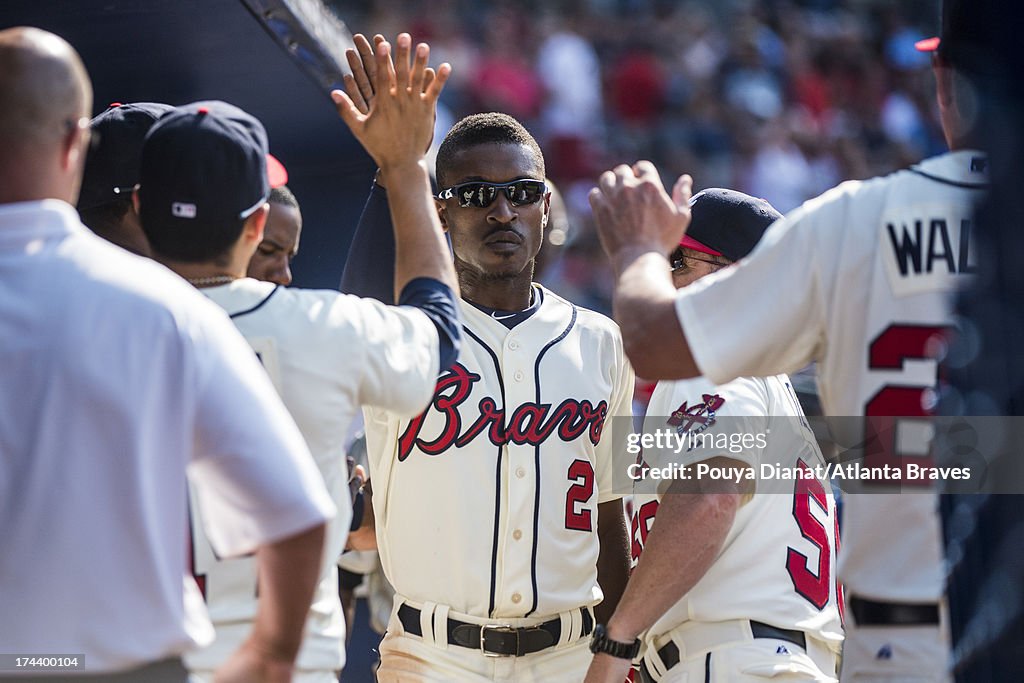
396,128
638,224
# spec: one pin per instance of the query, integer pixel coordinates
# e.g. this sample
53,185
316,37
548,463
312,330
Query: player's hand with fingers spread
635,215
398,123
360,84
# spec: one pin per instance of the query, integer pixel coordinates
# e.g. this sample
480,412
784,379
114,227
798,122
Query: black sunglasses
678,262
481,194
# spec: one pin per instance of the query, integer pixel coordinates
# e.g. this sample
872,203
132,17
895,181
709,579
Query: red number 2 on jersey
582,472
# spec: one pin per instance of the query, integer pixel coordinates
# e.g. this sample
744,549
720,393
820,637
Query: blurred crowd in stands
779,99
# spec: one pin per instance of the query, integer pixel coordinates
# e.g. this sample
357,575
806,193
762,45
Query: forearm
420,247
288,573
644,307
370,267
687,536
613,557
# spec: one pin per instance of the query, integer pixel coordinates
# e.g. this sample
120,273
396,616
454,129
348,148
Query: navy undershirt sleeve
370,272
370,267
437,300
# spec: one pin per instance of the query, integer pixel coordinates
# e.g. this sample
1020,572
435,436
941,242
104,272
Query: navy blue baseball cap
727,223
966,30
205,164
112,164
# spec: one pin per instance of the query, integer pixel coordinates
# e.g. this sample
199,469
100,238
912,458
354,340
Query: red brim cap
928,44
690,243
277,175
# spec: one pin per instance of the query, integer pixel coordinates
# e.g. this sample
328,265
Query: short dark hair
283,195
482,129
170,238
104,219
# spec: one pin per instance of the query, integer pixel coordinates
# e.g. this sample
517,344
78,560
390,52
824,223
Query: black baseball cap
206,164
727,223
112,164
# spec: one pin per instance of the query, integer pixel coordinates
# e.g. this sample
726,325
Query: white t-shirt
777,564
327,354
117,376
487,503
860,280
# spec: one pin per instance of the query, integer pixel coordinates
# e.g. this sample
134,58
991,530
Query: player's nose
281,272
502,210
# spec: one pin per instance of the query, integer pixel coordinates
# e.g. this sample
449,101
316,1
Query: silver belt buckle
502,628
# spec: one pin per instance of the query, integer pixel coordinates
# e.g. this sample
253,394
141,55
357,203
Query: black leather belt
669,653
871,613
496,640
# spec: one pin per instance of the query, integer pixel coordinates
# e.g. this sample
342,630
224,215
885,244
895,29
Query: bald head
46,98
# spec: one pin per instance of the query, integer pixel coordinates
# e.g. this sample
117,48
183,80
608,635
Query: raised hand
360,85
396,123
634,213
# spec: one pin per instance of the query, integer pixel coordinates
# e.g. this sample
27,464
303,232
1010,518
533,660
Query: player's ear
252,231
547,210
75,145
442,214
136,202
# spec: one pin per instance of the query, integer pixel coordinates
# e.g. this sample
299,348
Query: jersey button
520,472
517,534
513,345
517,598
518,376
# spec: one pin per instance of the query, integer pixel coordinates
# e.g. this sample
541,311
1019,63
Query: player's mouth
504,240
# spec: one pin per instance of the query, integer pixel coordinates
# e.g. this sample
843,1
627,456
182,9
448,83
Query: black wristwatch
600,642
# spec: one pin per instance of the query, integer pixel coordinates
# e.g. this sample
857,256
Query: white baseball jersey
777,564
118,376
859,279
487,502
327,354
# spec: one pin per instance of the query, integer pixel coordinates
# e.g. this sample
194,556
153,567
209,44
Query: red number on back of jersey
883,411
814,586
582,472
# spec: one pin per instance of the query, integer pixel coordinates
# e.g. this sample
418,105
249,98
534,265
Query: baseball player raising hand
496,519
326,353
858,279
737,573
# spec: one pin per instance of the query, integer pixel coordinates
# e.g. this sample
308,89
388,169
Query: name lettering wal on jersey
924,253
530,423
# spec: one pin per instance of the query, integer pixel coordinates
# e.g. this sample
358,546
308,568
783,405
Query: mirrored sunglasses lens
525,192
477,194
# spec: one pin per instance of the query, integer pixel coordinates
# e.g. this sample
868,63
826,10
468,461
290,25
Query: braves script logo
530,423
698,417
